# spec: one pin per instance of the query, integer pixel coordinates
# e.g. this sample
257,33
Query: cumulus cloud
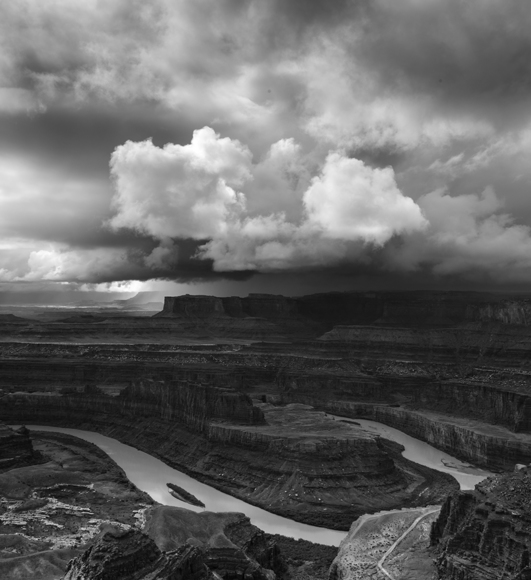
348,212
344,133
185,192
179,191
351,201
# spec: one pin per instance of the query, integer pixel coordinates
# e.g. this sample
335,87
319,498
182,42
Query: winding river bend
420,452
151,475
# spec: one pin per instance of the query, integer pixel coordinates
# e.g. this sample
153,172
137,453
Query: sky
290,146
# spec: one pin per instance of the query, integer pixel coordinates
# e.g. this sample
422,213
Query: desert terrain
247,395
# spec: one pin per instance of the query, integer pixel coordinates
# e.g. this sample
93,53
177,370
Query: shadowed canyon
264,398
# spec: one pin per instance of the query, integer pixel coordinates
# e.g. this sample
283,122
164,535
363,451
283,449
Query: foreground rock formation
54,502
132,555
485,534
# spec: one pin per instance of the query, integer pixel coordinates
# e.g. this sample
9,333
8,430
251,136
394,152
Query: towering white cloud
179,191
185,192
351,201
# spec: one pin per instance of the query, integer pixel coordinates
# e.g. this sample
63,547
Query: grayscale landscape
265,290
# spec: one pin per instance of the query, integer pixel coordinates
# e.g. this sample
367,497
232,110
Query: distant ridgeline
387,308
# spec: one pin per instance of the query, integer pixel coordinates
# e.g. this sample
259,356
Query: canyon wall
327,478
485,534
462,398
489,446
187,402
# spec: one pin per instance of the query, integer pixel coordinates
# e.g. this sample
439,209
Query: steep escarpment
192,404
256,305
188,402
408,309
259,316
485,534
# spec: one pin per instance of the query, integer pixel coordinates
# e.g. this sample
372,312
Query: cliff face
191,403
197,306
257,305
388,308
462,398
485,534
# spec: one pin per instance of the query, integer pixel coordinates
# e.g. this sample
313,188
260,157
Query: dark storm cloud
461,53
370,140
81,141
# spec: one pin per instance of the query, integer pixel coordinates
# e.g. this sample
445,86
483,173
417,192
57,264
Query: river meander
151,475
415,450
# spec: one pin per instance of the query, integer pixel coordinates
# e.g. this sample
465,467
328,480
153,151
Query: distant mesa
407,309
183,495
256,305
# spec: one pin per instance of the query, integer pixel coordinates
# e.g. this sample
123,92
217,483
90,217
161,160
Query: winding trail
395,544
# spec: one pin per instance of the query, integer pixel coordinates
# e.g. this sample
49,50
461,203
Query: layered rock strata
485,534
489,446
394,308
299,463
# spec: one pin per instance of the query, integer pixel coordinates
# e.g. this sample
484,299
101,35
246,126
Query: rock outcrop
132,555
232,546
485,534
178,544
16,448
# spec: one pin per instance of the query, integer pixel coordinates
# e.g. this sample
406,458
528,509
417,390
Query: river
467,475
151,475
